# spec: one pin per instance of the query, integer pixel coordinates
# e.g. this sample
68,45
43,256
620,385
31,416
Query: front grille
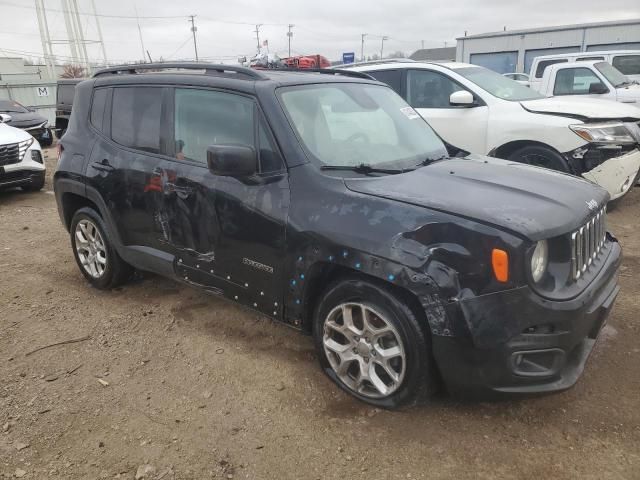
587,242
9,154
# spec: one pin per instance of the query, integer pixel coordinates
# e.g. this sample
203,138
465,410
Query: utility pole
258,36
47,50
144,50
82,43
422,42
95,14
290,34
194,29
382,45
362,35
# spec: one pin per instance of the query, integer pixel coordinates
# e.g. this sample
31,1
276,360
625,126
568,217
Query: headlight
616,133
23,147
539,260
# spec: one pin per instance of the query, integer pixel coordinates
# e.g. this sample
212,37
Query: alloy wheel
90,247
364,350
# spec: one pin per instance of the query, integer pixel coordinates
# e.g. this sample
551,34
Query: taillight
60,150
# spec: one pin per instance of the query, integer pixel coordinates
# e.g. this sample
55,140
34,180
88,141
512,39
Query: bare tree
397,54
72,71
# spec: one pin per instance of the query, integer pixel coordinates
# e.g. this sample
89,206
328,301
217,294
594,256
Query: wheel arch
506,149
322,274
71,203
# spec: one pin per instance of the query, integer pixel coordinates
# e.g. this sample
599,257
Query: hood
583,108
25,120
533,202
9,134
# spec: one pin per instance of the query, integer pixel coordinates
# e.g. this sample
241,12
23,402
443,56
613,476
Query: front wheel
95,255
373,345
540,156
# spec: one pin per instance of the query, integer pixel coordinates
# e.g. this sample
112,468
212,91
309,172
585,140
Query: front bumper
25,172
521,343
616,175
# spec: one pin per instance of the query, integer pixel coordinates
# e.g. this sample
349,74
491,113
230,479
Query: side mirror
462,98
232,160
4,118
598,88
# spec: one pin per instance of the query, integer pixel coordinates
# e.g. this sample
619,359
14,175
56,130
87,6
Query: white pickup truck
480,111
588,79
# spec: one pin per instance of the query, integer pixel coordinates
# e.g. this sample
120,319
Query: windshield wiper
429,160
365,168
624,84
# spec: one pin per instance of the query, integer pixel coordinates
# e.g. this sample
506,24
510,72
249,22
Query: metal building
514,50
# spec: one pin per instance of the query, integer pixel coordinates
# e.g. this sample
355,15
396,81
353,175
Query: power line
103,15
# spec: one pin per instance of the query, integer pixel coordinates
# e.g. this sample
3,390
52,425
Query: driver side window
427,89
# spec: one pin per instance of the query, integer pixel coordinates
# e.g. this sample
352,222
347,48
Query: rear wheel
97,259
372,345
540,156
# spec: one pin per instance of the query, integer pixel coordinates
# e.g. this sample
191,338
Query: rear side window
627,64
97,108
545,63
66,93
135,117
393,78
587,59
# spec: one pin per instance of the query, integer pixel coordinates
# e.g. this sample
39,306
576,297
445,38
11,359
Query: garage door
529,55
501,62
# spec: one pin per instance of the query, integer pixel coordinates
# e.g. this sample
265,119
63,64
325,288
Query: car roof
412,65
225,76
587,54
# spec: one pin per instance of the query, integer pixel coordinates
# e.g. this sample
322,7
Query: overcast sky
328,27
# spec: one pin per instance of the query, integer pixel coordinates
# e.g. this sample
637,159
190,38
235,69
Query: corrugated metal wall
39,95
531,44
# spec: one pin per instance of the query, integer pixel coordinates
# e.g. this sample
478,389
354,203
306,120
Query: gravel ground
176,384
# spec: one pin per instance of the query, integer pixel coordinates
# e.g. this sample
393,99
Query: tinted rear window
545,63
393,78
627,64
66,93
97,108
135,117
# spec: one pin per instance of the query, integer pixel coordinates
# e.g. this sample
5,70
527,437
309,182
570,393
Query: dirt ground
176,384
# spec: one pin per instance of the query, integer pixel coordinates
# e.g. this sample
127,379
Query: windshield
498,85
354,123
612,74
11,106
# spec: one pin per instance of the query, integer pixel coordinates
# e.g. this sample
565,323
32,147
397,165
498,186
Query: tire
104,268
540,156
415,372
35,185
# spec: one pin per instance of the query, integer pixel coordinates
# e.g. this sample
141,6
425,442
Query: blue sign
348,57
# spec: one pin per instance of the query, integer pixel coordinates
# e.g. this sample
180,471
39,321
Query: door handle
103,166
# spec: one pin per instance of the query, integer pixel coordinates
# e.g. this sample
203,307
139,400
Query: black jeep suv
323,200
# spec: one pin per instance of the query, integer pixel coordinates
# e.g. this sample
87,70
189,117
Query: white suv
479,111
21,162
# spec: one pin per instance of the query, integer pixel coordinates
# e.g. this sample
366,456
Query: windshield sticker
410,113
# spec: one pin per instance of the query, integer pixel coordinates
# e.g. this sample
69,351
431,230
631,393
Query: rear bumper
548,350
616,175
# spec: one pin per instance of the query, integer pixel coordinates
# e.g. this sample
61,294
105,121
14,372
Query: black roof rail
209,68
332,71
